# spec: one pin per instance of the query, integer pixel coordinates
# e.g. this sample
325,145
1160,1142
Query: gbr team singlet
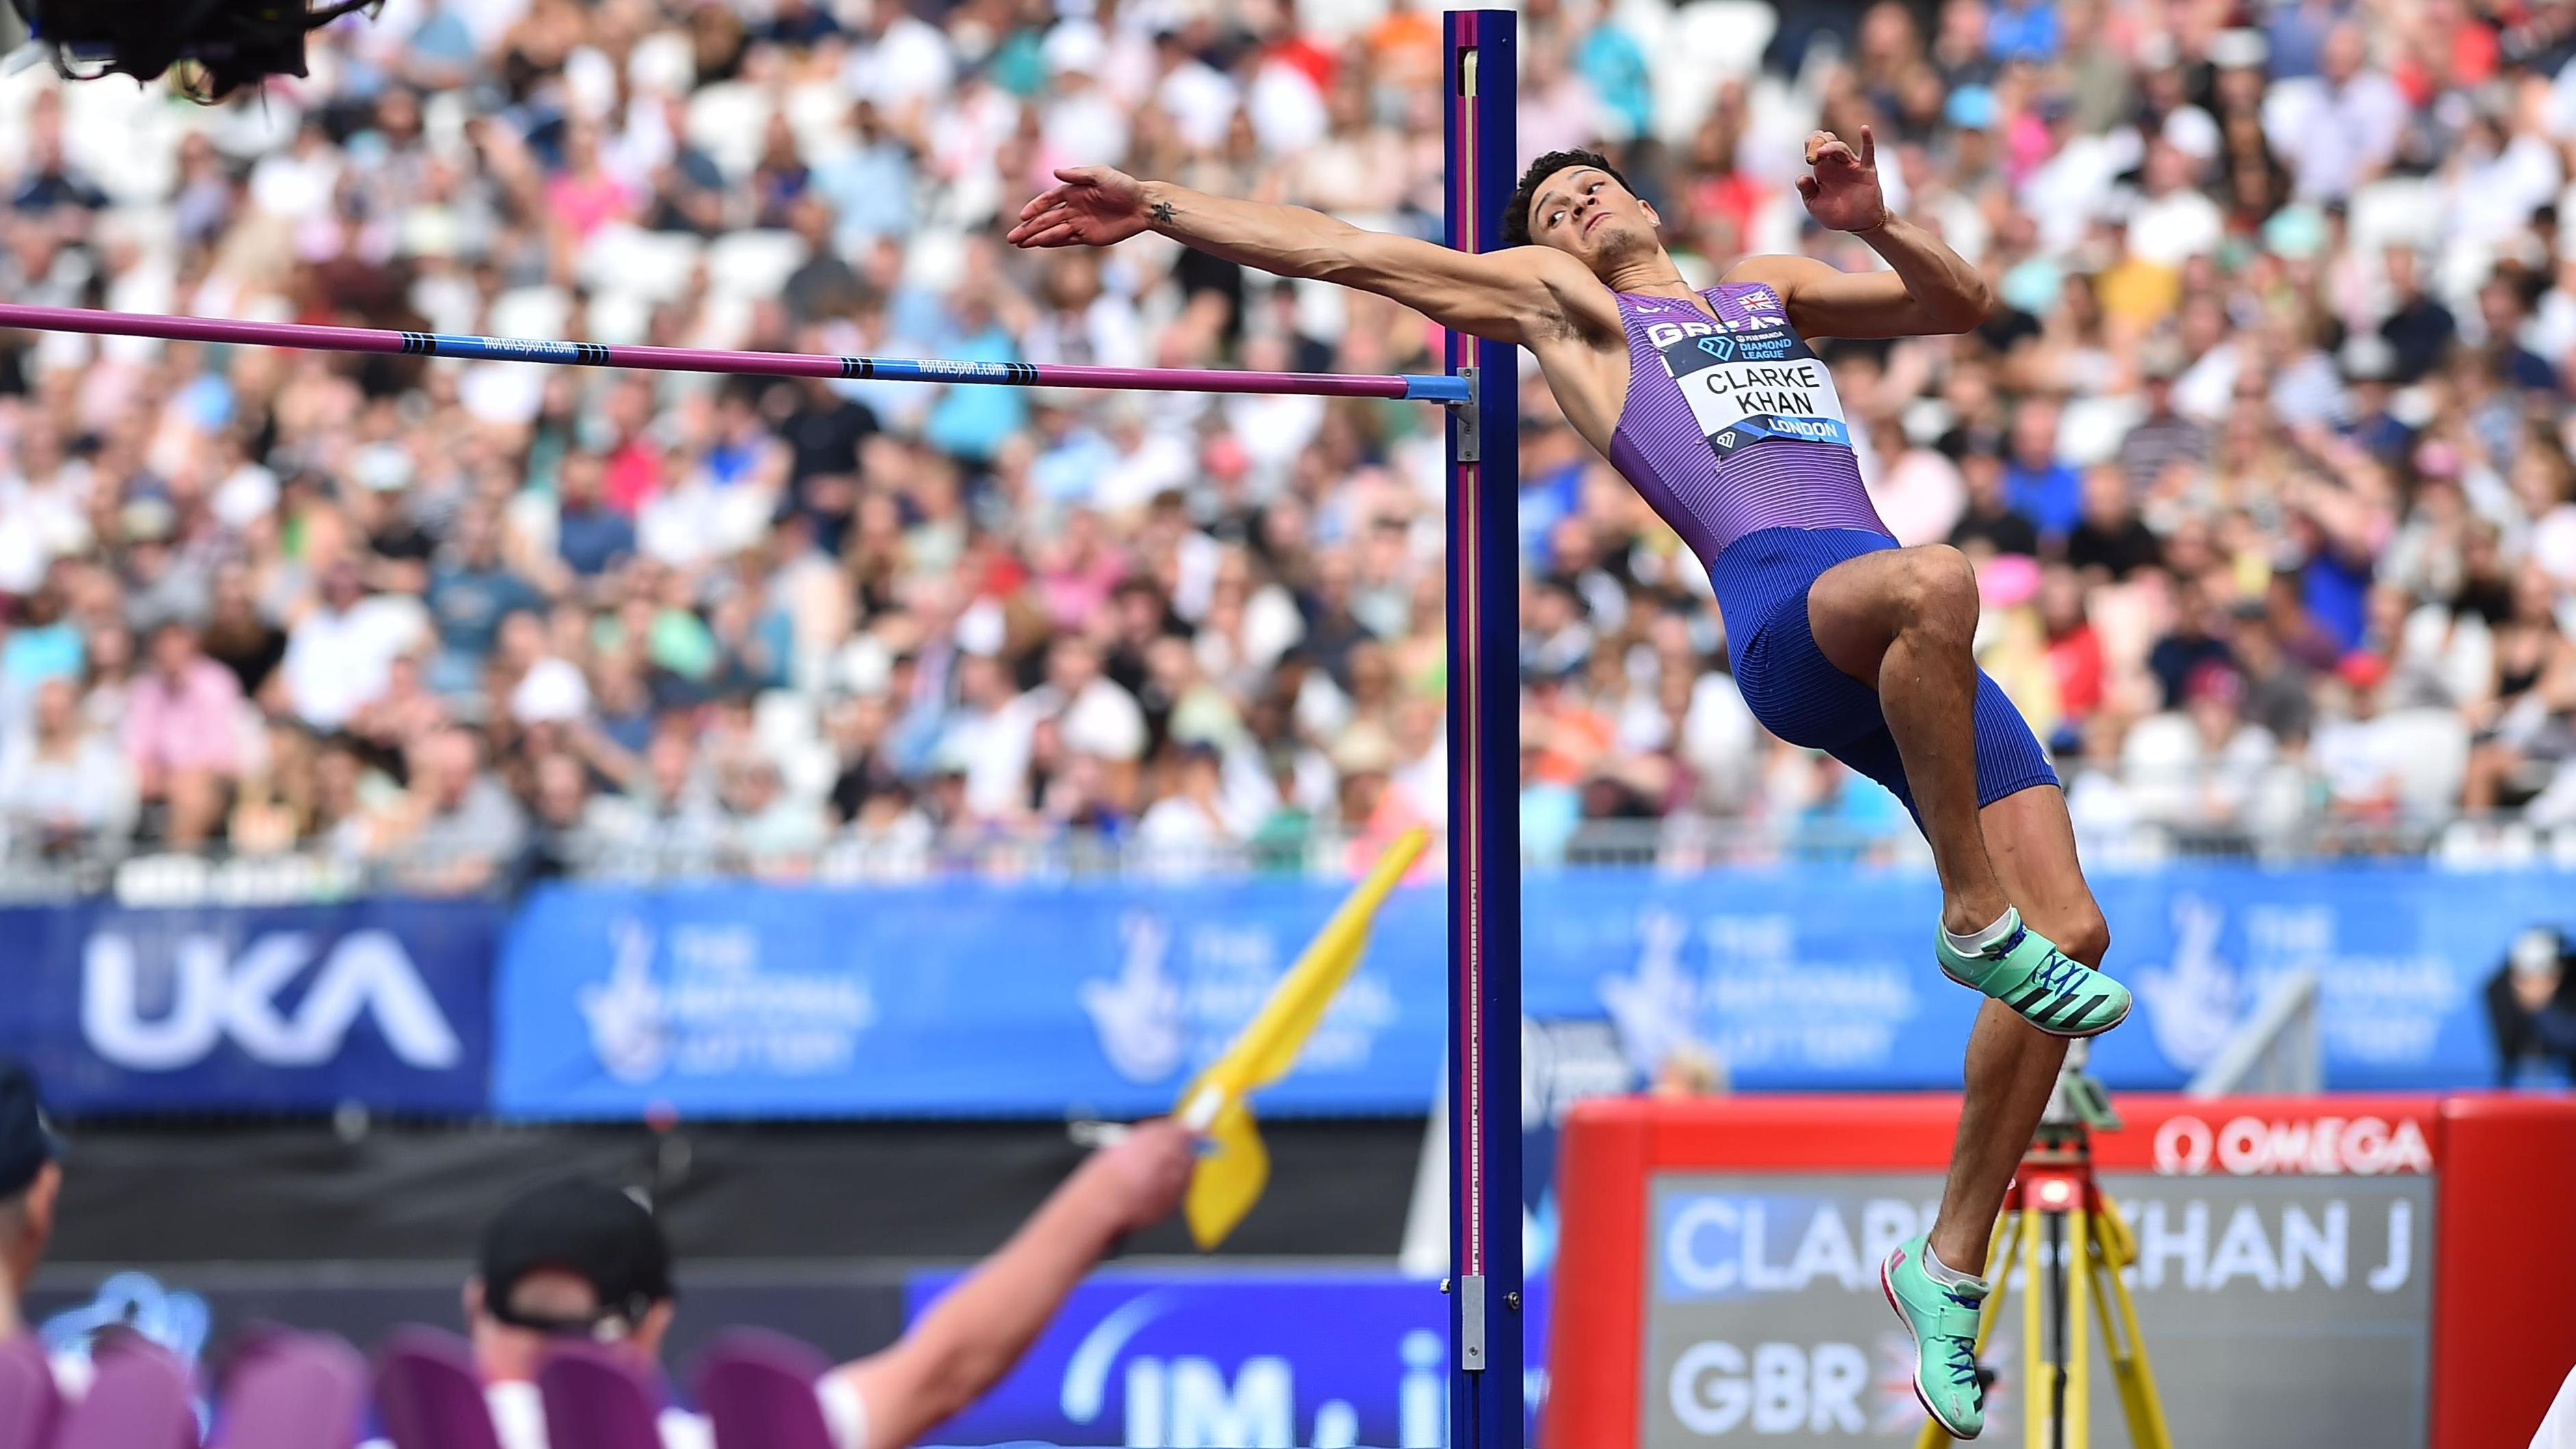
1733,432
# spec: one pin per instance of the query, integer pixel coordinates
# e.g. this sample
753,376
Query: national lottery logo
1175,999
703,1003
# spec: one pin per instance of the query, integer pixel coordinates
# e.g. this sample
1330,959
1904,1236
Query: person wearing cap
580,1259
31,1176
2531,1003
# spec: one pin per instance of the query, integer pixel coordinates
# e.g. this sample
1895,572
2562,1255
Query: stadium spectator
183,736
2417,327
2296,288
2038,484
2107,534
454,825
1991,525
340,654
64,791
31,1175
2531,1003
580,1257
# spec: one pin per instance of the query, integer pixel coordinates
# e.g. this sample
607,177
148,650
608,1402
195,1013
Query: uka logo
211,995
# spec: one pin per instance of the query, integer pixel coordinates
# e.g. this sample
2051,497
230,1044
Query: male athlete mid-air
1711,405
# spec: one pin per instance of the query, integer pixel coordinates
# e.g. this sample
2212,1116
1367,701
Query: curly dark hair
1516,220
235,43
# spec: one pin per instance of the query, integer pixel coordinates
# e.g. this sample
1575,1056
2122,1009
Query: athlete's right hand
1092,206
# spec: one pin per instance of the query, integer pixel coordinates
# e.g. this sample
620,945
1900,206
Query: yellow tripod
2063,1231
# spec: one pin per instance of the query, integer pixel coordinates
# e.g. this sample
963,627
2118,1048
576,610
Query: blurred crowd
2262,459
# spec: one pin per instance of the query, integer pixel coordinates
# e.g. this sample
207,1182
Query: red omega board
2503,1236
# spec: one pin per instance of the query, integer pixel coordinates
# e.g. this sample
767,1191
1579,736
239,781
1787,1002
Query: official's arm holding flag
1217,1103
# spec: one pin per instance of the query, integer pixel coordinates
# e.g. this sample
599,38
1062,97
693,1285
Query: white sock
1947,1276
1975,945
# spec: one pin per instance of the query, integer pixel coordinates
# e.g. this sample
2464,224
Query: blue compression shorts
1761,581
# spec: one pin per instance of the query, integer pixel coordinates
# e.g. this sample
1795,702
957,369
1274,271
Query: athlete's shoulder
1582,299
1535,260
1782,272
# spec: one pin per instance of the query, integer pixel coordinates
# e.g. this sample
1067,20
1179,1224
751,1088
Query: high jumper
1712,405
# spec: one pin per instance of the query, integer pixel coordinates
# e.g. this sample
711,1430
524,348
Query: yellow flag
1230,1178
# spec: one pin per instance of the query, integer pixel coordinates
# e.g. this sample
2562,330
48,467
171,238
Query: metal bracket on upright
1470,449
1471,1323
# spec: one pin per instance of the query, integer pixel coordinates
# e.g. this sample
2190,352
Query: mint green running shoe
2050,989
1943,1321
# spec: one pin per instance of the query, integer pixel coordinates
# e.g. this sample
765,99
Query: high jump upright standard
1479,91
1481,391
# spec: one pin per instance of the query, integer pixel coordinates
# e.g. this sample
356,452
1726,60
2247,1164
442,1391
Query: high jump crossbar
386,342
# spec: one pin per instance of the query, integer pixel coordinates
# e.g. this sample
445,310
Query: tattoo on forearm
1161,211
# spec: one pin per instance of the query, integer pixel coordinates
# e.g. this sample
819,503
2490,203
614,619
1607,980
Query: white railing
1677,844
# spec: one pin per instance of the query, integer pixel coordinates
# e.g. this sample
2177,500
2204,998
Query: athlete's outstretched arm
974,1334
1522,295
1931,288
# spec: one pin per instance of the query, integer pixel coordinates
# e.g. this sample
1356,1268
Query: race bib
1744,387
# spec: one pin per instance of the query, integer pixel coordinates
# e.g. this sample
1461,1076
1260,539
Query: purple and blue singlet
1732,431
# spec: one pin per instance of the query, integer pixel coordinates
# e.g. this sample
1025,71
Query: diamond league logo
1720,347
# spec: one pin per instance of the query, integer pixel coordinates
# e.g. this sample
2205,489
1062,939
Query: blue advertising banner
957,997
297,1008
1014,999
1316,1357
1823,979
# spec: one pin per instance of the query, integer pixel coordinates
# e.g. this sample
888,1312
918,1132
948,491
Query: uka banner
303,1008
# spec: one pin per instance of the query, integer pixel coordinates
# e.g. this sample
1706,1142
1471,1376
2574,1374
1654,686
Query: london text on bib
1759,383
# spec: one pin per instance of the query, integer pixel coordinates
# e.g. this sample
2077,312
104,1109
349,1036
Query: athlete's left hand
1841,189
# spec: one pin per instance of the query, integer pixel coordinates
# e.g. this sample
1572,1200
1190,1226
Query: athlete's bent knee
2082,933
1937,587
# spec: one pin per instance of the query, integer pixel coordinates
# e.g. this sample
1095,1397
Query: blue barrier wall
978,997
986,998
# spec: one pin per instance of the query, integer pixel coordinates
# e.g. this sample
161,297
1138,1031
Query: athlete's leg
2011,1064
1901,621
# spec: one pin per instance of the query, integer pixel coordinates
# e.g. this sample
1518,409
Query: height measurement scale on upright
1481,85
